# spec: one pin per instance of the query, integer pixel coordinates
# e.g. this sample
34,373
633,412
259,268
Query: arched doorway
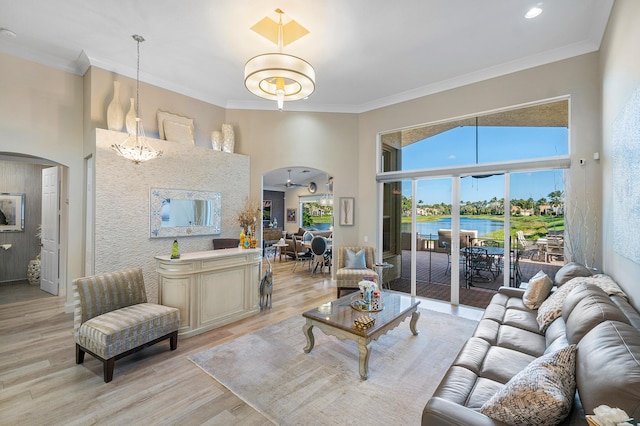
23,175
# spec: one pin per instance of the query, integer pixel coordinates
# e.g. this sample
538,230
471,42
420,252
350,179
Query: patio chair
528,248
462,260
479,261
555,248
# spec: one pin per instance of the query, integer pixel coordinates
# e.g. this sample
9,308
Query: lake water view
483,226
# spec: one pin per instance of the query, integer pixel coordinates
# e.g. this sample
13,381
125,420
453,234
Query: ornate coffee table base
364,342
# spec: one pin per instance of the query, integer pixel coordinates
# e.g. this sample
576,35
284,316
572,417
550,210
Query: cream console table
211,288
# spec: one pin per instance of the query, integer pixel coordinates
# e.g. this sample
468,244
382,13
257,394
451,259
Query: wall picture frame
347,205
11,212
266,210
291,215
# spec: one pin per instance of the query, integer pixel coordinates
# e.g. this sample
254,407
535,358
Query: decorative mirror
181,213
11,212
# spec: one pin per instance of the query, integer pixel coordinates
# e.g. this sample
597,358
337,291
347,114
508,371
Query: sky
457,147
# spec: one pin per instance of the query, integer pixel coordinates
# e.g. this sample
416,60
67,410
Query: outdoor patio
433,279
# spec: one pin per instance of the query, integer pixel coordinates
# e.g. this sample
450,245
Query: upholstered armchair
350,271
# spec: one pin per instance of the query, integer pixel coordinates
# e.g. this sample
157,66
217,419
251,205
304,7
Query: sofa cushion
584,308
537,291
570,271
608,367
355,260
115,332
541,394
521,340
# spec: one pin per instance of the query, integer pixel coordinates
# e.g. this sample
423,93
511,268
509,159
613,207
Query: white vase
130,119
216,140
33,272
115,114
228,138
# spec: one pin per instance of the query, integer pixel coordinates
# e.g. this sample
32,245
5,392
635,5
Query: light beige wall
620,64
322,141
577,77
206,117
41,115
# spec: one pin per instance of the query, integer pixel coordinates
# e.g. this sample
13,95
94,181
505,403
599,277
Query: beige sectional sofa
603,327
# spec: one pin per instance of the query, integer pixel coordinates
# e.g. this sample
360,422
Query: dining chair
321,255
301,254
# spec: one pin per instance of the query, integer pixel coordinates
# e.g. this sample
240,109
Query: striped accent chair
112,318
348,278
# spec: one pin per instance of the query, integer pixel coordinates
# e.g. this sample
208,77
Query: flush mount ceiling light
534,11
278,76
136,147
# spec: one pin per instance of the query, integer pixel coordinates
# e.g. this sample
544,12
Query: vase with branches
581,231
248,215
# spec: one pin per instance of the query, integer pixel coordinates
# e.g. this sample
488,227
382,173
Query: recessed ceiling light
4,32
533,12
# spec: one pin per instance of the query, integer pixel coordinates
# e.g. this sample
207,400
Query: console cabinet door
176,292
222,295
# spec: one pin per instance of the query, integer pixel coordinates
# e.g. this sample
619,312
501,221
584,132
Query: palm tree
555,199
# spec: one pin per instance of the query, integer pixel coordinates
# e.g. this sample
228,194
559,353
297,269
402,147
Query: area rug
269,370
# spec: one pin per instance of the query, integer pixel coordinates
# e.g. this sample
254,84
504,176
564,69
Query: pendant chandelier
136,147
278,76
327,197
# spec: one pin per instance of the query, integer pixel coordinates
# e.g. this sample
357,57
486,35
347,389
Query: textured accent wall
122,201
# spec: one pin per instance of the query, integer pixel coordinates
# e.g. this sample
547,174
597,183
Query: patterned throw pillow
538,289
355,260
541,394
552,307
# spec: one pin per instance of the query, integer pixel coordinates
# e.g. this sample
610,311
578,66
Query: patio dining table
495,252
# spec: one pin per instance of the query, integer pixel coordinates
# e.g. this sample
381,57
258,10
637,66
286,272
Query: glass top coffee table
337,319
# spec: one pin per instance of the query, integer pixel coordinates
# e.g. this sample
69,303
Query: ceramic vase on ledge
115,114
130,118
228,138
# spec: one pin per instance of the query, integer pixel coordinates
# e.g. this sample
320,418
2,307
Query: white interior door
50,230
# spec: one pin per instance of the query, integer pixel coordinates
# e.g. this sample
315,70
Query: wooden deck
433,279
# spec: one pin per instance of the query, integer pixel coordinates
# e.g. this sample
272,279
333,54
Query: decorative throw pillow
551,308
538,289
355,260
541,394
569,271
167,116
176,132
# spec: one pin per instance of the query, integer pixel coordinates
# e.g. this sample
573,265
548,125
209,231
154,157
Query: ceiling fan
289,183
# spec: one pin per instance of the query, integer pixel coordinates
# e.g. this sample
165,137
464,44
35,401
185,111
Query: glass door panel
482,233
537,222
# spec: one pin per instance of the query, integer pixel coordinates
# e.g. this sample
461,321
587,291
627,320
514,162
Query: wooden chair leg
79,354
109,366
173,340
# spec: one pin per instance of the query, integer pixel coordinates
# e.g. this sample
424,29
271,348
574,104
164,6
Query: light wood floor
41,384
